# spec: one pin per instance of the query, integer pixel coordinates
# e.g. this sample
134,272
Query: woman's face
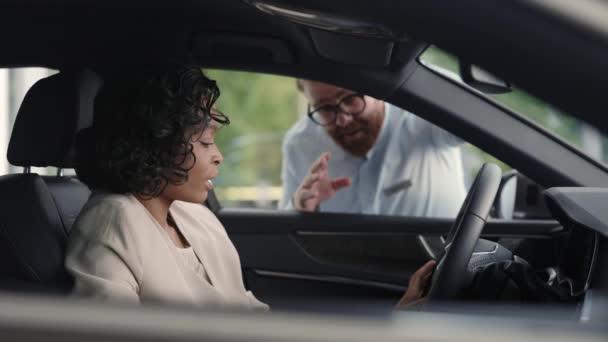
203,168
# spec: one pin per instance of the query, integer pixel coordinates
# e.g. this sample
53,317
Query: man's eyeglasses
327,115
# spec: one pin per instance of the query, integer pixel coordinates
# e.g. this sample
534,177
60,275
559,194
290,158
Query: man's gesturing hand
316,186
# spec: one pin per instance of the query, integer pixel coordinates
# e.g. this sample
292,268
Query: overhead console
309,43
352,50
345,38
231,47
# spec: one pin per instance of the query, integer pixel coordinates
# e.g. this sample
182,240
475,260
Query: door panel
326,272
341,262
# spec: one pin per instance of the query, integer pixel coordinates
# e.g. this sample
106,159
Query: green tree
261,108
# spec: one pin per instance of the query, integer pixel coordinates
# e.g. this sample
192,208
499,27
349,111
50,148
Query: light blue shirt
414,168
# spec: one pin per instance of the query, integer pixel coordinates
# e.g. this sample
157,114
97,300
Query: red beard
362,135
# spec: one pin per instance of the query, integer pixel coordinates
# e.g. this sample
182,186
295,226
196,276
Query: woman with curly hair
149,158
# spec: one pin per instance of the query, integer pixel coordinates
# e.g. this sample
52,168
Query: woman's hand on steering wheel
419,282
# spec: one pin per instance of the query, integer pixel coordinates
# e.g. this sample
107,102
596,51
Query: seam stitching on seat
63,224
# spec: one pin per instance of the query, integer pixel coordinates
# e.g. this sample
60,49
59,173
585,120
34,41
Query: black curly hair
143,124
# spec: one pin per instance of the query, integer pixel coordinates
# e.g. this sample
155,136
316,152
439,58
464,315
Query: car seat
37,212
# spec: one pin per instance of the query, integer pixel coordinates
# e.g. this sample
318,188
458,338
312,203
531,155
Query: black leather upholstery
69,195
37,212
32,237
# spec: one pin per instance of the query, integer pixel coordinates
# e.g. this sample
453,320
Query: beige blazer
118,251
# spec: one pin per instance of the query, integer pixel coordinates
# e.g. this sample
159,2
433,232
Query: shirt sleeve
103,267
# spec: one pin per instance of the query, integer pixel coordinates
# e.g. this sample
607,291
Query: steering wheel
451,277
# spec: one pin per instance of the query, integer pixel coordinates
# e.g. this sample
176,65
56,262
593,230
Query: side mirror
482,80
519,198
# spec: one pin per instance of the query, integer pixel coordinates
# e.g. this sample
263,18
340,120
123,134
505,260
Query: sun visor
351,49
583,206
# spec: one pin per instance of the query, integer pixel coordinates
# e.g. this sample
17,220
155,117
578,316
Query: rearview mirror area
482,80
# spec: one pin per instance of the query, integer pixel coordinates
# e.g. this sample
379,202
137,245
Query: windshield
578,134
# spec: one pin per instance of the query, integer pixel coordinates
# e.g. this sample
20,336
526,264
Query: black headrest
52,112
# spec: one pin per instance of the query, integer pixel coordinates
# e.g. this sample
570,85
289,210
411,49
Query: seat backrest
37,212
69,195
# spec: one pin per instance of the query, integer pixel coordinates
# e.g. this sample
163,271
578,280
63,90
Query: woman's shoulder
199,213
108,203
194,209
104,213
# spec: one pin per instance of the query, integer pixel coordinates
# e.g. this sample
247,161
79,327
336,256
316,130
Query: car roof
545,47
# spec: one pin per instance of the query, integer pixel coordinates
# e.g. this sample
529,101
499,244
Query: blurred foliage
261,108
551,119
437,58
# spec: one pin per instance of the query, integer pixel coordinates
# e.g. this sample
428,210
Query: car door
345,262
318,261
